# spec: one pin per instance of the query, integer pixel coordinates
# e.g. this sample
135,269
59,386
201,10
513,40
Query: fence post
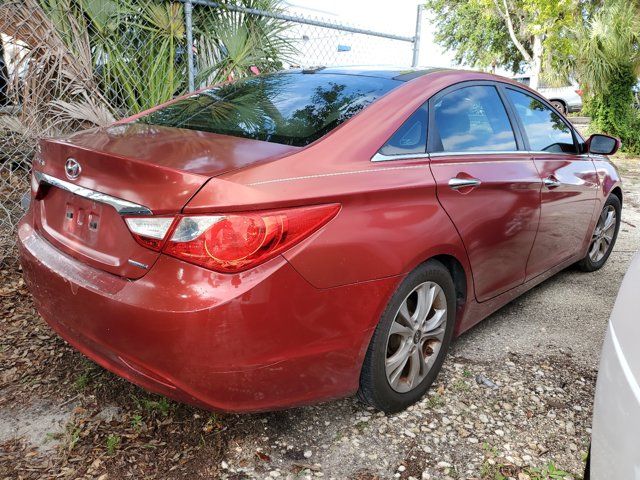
188,10
416,38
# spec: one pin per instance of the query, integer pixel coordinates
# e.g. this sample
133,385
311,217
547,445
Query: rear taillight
579,91
150,232
230,242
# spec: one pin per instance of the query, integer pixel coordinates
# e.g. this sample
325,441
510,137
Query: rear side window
288,108
546,131
472,119
411,137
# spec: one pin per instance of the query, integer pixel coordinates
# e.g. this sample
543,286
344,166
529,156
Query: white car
565,99
615,437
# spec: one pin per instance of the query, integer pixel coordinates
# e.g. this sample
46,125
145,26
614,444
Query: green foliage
113,443
137,48
548,472
136,421
81,381
612,111
74,437
435,401
476,30
475,33
230,43
607,63
161,406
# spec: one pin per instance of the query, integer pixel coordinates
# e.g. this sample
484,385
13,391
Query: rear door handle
551,182
457,183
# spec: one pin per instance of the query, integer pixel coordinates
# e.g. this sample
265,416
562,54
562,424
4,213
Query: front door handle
457,183
551,182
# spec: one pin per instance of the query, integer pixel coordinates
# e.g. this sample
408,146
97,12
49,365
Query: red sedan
306,235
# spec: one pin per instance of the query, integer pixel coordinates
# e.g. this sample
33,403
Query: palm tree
607,63
90,61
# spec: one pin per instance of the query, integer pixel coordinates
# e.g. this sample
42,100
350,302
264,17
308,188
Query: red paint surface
293,330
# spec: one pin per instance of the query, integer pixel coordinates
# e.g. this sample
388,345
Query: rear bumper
259,340
616,416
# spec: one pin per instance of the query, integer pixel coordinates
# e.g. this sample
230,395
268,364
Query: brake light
579,91
231,242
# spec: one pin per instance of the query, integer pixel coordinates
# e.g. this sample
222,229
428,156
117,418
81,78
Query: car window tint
411,137
546,131
472,118
288,108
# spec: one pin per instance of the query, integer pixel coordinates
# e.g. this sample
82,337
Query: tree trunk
536,62
506,16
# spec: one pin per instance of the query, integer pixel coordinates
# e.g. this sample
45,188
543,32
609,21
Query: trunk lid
159,168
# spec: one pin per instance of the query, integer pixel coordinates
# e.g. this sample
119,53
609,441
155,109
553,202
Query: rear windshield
288,108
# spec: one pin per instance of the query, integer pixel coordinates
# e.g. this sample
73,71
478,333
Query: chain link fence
68,65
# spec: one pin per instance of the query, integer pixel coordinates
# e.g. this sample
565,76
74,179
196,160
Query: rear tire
604,236
560,106
416,328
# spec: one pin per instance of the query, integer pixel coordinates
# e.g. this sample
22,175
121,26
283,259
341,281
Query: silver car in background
615,438
566,98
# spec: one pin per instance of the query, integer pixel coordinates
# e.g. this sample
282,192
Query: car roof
392,73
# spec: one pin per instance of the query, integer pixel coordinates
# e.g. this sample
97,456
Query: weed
74,438
492,451
460,386
466,373
162,405
435,401
136,421
113,442
81,381
548,472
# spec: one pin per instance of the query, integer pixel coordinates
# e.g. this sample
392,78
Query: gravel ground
514,400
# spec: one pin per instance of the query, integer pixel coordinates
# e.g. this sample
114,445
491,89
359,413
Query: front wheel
411,340
604,236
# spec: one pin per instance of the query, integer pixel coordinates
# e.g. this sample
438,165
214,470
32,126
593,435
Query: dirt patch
39,424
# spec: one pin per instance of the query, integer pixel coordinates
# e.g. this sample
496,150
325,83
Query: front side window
289,108
472,119
547,132
411,137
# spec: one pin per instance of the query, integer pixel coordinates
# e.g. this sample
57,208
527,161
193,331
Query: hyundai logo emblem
72,168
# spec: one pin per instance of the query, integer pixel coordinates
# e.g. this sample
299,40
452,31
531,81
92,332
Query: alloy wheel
602,237
415,337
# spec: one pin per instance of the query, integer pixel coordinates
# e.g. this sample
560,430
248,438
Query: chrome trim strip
457,183
123,207
480,152
379,157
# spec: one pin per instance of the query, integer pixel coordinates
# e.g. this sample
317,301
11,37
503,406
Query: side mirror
602,144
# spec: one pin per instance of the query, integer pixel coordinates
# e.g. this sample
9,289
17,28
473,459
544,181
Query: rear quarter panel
390,219
388,228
